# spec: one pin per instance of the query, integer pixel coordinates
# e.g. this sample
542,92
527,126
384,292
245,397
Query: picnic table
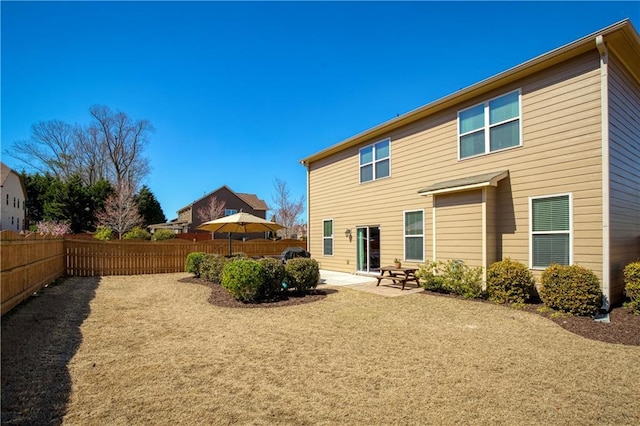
398,275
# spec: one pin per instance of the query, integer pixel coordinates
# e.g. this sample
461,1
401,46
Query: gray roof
484,179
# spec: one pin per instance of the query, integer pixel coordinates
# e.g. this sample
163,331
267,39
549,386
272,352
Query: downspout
484,238
604,120
306,165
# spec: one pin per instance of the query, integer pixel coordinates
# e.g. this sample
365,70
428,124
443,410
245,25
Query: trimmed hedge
211,267
163,234
243,279
103,233
632,286
274,274
509,281
573,289
193,262
302,273
137,233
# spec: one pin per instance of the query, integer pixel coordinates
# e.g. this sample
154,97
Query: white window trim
531,233
333,231
374,161
487,126
405,236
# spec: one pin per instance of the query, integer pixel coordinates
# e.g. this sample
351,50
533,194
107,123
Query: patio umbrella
241,223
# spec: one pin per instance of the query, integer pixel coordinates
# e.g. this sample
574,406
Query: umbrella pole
229,243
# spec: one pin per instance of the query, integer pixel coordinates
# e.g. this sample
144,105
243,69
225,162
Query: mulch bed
221,297
623,326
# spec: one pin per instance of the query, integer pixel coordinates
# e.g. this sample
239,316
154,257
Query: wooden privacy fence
87,258
28,263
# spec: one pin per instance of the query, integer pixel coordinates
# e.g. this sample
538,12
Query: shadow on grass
39,338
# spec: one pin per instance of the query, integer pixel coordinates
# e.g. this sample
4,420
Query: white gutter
604,120
307,166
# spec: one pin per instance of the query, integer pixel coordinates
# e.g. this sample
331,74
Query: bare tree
120,210
49,149
285,209
110,148
91,155
212,210
124,140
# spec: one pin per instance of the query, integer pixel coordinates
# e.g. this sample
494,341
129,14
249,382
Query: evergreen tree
70,202
149,207
36,186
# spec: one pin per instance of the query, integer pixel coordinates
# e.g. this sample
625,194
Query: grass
154,351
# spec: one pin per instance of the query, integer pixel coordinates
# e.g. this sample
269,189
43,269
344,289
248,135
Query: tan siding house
540,163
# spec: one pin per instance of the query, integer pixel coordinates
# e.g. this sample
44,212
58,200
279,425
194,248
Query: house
540,163
12,199
228,202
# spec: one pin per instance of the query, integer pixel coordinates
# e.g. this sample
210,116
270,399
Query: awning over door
466,183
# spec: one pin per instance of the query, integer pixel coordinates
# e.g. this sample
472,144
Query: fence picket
29,263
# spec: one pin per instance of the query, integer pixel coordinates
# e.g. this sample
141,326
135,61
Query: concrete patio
365,283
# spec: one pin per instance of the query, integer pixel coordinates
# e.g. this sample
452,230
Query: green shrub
211,267
632,286
573,289
274,275
459,278
137,233
243,279
193,262
302,273
103,233
163,234
429,277
452,276
509,281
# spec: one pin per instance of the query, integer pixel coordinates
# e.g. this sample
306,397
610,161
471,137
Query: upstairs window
374,161
551,228
491,126
229,212
327,237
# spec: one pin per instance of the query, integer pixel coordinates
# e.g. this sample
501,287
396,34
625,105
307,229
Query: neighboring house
12,198
540,163
232,202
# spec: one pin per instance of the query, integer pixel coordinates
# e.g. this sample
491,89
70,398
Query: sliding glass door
368,248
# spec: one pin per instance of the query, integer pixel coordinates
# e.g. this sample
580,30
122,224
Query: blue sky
240,92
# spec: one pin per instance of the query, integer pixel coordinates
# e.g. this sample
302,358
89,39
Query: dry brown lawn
152,350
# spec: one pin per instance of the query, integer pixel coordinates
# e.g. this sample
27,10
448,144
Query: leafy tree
69,202
36,186
149,207
286,210
73,202
99,192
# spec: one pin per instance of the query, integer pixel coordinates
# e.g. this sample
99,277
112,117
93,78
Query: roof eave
531,66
